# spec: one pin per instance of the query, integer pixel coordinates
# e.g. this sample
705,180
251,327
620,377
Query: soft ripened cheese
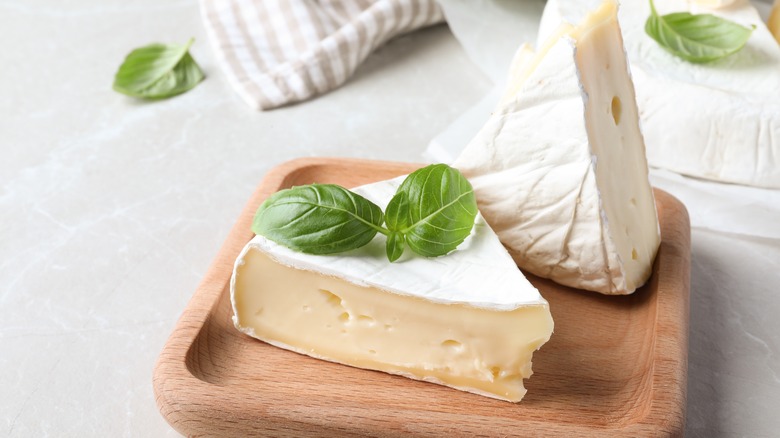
559,169
469,320
718,120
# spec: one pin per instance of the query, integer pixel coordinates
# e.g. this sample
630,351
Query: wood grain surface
615,366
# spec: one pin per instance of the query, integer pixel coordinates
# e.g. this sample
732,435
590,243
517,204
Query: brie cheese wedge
559,169
718,120
469,320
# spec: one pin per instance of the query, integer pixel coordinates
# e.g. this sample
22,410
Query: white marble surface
111,210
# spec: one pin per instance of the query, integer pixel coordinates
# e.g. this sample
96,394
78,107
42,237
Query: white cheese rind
560,178
717,120
469,320
479,264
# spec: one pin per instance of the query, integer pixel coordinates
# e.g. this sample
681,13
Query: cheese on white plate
718,120
469,320
773,24
559,169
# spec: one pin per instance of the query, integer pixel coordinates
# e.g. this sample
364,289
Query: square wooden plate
615,366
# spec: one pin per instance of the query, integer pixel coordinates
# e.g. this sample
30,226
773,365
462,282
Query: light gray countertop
112,209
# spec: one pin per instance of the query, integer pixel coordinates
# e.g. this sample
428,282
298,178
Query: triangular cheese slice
559,169
469,320
717,120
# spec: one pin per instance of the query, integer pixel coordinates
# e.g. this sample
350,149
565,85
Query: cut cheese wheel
559,169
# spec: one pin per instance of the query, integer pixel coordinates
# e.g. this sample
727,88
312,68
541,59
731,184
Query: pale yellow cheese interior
611,117
475,349
526,61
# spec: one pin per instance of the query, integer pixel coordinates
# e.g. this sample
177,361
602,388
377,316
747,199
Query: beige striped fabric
277,52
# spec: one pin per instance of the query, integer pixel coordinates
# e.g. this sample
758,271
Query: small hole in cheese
365,318
451,343
616,109
634,254
344,317
331,298
495,371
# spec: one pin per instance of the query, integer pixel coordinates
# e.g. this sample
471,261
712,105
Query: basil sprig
696,37
432,212
158,71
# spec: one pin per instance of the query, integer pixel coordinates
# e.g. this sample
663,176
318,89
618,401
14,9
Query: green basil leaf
158,71
395,246
441,210
696,38
318,219
396,218
397,212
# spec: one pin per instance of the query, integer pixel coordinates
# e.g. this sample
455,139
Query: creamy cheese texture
559,169
469,320
718,120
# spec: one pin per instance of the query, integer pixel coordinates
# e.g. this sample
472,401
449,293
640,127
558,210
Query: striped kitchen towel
277,52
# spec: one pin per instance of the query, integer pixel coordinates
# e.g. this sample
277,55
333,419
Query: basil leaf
395,246
158,71
396,218
318,219
397,211
696,38
441,210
